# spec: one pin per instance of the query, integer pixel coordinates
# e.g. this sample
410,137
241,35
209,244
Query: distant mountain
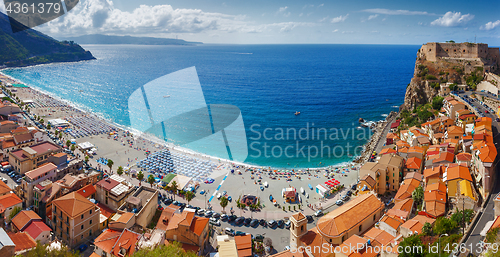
30,47
104,39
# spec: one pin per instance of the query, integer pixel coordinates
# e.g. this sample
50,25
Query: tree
60,135
444,225
14,212
415,246
437,102
174,187
119,171
223,202
173,249
68,143
140,175
87,158
42,250
427,229
42,121
189,196
49,126
418,195
73,148
110,164
151,180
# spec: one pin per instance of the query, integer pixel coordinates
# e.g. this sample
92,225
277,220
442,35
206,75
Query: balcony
67,223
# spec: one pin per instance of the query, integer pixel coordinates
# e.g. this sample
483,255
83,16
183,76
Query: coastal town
427,180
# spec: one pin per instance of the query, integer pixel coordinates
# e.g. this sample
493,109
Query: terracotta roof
94,255
22,240
438,170
444,156
455,130
435,208
414,163
342,219
438,186
59,154
435,196
4,189
87,190
73,204
464,157
387,150
198,225
127,241
105,210
392,222
399,215
42,170
313,239
381,236
406,189
9,200
458,172
369,180
125,217
287,253
299,216
8,144
107,239
414,175
417,222
21,138
404,205
165,216
23,218
350,246
487,153
36,228
416,149
107,184
244,245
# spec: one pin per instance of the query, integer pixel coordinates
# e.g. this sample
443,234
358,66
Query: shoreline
356,161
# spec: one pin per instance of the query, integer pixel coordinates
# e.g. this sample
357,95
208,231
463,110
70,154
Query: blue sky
271,22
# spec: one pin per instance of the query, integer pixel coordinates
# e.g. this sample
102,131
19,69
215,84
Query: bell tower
298,228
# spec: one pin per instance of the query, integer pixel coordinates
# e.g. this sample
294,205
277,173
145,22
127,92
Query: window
82,236
90,232
82,227
67,220
301,228
374,217
81,217
90,222
90,212
360,226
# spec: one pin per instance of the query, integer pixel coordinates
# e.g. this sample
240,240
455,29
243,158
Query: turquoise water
331,85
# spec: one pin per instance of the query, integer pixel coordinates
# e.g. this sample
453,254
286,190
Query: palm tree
151,180
119,170
110,164
68,143
174,187
189,196
87,158
73,148
223,202
140,176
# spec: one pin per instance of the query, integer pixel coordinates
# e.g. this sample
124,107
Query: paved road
488,213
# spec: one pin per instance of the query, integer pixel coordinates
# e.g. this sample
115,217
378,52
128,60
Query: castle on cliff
469,54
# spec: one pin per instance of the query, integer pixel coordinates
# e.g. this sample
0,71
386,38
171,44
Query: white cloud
371,17
395,12
283,10
101,17
490,25
321,5
324,19
341,18
452,19
347,32
336,30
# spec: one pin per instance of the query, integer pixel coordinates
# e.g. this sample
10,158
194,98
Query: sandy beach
127,147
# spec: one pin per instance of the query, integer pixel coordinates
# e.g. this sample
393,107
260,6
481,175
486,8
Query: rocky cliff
427,77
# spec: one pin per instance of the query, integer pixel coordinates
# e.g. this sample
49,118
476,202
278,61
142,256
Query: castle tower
298,228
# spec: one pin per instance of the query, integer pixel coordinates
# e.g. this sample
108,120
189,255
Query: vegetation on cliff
30,47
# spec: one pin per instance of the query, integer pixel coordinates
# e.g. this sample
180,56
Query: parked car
247,221
202,192
309,218
254,223
259,238
345,198
232,218
167,201
271,223
200,212
281,223
239,233
216,215
82,248
288,223
230,198
263,222
229,231
339,202
239,220
214,221
219,195
209,214
318,213
223,217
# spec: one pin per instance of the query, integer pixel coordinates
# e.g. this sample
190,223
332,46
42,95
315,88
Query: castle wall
432,51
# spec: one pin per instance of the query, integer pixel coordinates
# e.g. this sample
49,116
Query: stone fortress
474,55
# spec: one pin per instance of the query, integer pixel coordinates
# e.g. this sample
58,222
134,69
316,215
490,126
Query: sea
332,86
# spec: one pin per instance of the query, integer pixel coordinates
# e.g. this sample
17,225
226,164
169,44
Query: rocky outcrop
418,92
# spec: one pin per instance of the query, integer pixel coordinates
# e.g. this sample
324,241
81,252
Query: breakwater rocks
380,129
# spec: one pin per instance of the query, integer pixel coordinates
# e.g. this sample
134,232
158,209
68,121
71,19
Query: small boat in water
297,113
166,96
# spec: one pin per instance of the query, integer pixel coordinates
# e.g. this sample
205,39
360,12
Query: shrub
430,77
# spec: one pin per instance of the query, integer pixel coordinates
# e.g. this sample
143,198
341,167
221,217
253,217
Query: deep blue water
331,85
